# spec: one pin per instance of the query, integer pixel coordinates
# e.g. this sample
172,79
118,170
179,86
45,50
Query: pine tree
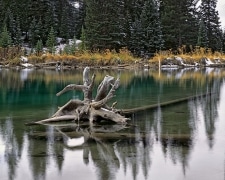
223,41
79,13
50,19
18,33
202,35
83,45
104,24
210,17
64,21
179,22
5,39
10,22
67,49
51,41
73,46
39,47
35,31
20,15
146,31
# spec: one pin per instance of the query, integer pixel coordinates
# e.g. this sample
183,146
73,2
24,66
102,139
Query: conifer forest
142,26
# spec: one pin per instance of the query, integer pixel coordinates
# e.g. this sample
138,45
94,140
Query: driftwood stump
89,108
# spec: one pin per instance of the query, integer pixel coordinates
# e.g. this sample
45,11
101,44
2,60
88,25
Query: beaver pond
182,140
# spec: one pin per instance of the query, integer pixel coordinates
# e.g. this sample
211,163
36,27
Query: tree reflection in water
108,146
176,136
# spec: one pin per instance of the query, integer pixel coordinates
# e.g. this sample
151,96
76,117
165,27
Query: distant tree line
143,26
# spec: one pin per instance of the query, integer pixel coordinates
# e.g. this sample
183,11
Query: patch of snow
208,61
169,66
78,41
27,65
24,59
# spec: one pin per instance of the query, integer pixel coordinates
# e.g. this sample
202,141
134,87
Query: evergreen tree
223,40
2,12
179,22
146,31
191,24
83,46
50,19
202,35
20,15
64,23
104,24
5,39
35,31
73,46
132,12
210,17
9,21
51,41
80,15
39,47
18,34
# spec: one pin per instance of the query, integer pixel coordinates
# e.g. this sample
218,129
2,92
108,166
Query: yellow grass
106,57
195,55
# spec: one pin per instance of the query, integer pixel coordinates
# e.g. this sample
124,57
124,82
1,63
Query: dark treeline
143,26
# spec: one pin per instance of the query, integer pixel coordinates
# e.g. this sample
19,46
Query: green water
180,141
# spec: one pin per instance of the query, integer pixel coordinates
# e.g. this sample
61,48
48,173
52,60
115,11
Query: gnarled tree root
89,108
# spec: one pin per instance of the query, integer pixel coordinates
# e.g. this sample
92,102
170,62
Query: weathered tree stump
89,108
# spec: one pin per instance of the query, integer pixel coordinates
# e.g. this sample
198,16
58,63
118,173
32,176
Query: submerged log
92,109
163,104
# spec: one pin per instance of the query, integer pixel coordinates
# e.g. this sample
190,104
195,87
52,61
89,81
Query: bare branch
88,91
110,115
71,87
103,88
86,78
59,118
110,95
69,108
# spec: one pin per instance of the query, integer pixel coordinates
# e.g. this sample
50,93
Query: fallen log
163,104
114,135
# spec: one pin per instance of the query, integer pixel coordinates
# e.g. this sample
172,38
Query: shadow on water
179,141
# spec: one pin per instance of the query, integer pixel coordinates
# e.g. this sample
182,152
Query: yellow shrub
36,59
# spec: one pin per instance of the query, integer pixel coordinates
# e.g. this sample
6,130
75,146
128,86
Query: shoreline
167,63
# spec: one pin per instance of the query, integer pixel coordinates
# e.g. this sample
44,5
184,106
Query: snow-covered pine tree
146,30
211,20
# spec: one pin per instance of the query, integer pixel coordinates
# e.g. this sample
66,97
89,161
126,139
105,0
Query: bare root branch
103,88
57,119
101,103
109,115
86,78
88,91
69,108
71,87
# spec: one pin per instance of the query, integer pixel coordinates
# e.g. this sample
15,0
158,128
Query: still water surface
181,141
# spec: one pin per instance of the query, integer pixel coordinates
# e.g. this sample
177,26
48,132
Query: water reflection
180,141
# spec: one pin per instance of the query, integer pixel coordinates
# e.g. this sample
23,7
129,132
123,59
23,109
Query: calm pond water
182,141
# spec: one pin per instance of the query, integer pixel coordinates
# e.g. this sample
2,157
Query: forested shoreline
143,27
